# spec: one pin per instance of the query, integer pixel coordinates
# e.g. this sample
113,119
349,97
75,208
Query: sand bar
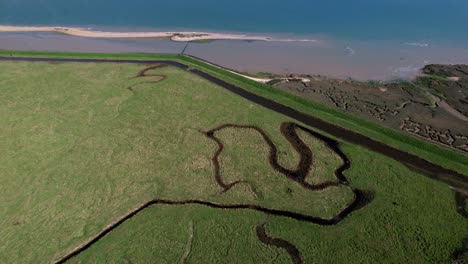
175,36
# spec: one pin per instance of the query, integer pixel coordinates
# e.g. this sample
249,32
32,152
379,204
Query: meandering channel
143,73
298,175
288,130
292,250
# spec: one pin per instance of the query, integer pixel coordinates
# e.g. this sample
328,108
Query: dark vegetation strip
461,203
129,61
280,243
459,255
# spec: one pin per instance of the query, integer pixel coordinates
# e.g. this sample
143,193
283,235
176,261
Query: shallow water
362,39
409,21
378,60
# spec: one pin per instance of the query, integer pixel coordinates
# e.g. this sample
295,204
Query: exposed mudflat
433,107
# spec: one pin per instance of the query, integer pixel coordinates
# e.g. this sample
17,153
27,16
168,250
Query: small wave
293,40
351,52
417,44
405,72
406,69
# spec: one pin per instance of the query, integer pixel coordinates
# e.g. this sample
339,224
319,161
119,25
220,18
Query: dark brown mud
459,255
143,74
292,250
461,200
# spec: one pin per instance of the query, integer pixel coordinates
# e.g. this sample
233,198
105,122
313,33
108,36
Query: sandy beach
174,36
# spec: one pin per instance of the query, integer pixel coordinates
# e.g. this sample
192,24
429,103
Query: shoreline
177,36
280,54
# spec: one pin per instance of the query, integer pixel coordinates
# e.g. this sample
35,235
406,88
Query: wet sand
329,57
174,36
375,61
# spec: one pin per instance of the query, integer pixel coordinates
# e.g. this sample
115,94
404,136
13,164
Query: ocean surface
363,39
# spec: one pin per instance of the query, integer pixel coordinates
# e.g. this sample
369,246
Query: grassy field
397,139
399,225
80,150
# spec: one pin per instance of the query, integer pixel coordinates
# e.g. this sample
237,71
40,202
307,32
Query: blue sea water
363,39
406,20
